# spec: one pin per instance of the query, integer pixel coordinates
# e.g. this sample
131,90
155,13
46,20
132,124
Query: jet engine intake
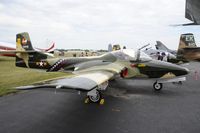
124,72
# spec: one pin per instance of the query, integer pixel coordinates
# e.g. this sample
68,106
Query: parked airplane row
187,50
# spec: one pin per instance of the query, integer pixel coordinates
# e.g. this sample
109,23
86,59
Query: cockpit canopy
131,55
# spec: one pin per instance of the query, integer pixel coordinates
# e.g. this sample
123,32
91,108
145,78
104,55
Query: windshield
144,56
131,55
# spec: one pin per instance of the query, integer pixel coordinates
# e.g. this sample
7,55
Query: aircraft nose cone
173,68
187,71
182,71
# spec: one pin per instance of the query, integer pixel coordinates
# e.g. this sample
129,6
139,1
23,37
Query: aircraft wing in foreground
92,74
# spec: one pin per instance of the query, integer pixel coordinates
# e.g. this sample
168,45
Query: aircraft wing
84,80
192,11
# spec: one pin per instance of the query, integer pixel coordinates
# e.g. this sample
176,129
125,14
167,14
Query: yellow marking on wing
141,65
97,77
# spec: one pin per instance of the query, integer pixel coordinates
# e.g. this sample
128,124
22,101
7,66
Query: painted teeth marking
57,65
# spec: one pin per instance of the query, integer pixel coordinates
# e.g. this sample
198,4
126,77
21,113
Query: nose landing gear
157,86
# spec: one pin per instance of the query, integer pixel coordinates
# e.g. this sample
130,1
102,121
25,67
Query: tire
157,86
95,99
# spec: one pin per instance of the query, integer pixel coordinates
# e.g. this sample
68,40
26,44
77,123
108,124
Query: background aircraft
160,46
159,54
93,73
192,11
4,46
187,49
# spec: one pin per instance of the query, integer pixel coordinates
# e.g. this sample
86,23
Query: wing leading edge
83,82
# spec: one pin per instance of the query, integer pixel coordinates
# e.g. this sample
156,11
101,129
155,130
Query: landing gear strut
157,86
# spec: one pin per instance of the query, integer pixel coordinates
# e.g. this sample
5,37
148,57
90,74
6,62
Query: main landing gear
157,86
94,96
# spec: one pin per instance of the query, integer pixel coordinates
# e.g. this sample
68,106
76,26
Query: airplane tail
160,46
187,41
26,56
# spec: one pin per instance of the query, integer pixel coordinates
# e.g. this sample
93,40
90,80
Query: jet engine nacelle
124,72
88,64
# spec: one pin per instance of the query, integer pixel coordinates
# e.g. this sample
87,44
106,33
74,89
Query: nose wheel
157,86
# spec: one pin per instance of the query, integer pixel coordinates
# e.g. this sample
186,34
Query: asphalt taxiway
130,106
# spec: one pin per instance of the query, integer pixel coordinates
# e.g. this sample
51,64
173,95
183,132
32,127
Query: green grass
11,76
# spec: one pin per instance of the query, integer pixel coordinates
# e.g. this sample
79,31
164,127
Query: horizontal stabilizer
14,52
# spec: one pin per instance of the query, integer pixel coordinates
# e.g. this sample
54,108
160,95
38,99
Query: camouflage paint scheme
187,49
113,61
91,74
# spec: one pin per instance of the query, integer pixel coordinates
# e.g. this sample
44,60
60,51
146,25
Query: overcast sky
93,24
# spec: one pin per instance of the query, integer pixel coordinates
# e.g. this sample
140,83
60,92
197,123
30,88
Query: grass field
11,76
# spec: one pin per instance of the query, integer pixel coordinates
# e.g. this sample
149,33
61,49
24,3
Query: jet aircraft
92,74
160,46
159,54
6,47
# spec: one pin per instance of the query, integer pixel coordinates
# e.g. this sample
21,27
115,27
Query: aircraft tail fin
160,46
187,41
23,42
26,56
